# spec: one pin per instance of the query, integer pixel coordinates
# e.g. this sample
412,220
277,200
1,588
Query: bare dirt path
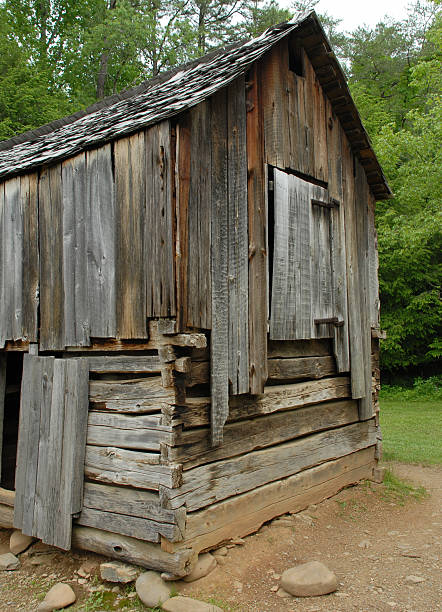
371,539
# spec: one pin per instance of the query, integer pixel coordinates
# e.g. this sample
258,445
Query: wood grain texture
301,367
198,273
238,262
257,210
131,468
51,260
219,349
192,448
6,516
275,106
130,501
338,247
124,363
299,348
211,483
35,396
132,550
142,432
182,186
276,398
130,194
101,243
353,282
364,237
11,264
53,419
158,230
243,514
136,527
75,248
132,388
59,486
30,279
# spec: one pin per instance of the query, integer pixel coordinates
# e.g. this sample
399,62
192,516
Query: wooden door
51,447
309,292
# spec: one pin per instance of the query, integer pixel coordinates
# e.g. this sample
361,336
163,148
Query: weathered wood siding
19,283
338,278
212,237
53,421
91,242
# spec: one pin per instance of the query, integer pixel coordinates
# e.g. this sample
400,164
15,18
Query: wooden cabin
189,313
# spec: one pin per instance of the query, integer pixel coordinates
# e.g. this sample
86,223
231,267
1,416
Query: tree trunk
104,62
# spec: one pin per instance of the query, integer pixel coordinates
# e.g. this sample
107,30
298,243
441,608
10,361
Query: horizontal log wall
156,492
297,443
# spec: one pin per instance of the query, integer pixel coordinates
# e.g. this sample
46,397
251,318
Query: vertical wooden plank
219,352
283,309
373,264
341,340
36,393
73,449
198,266
300,142
362,199
2,400
318,128
303,258
353,288
51,260
101,234
45,467
309,125
292,290
12,248
30,288
238,239
159,257
76,307
256,196
130,192
182,180
276,106
49,459
322,295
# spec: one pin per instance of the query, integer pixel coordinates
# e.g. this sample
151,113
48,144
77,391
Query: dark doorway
14,369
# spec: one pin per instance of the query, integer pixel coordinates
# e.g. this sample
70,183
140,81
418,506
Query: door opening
14,370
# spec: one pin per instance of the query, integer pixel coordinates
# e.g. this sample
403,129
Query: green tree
406,129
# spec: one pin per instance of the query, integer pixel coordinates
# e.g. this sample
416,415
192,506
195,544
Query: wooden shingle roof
185,86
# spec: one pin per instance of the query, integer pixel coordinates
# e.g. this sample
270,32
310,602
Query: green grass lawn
412,430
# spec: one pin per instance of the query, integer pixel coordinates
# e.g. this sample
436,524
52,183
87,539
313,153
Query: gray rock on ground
206,563
186,604
115,571
9,562
152,590
309,580
19,542
59,596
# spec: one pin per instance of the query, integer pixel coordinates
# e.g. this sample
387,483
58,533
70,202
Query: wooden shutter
51,447
309,281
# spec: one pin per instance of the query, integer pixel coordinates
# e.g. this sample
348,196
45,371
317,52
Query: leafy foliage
397,87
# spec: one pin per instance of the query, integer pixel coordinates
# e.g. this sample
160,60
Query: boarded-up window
51,447
308,283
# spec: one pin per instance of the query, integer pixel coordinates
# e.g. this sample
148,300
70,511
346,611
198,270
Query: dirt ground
371,539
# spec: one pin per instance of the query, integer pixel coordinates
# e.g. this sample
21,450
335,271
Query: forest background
59,56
